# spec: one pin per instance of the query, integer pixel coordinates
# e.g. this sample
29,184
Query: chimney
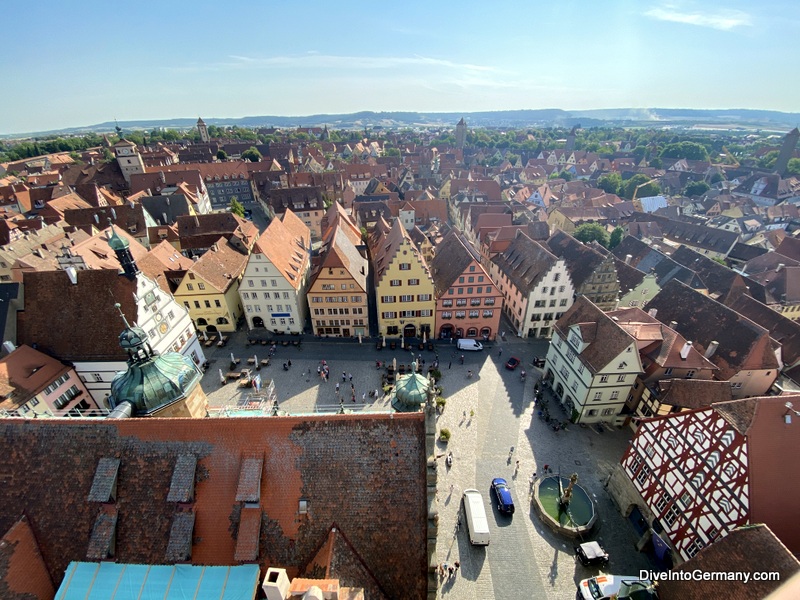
96,218
653,312
131,204
685,350
164,217
214,247
196,221
72,273
712,347
780,266
113,214
9,346
673,325
628,258
276,584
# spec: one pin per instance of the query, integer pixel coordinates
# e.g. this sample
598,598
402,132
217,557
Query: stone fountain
563,505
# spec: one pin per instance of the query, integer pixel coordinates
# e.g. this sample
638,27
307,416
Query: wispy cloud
724,20
314,60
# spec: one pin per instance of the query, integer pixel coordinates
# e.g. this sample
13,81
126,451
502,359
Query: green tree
252,154
610,183
648,188
717,177
768,160
237,207
565,175
222,155
392,152
657,163
696,188
589,232
687,150
793,168
616,237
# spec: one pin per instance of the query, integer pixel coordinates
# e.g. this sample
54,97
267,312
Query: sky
71,64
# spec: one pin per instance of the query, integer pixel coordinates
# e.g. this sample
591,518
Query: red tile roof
383,518
23,573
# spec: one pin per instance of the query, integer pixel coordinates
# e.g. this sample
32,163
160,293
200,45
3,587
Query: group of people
449,571
322,370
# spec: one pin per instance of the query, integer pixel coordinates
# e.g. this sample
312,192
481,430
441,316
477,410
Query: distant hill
551,117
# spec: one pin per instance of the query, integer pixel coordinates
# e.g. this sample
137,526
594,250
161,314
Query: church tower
122,249
461,134
201,127
787,151
129,159
164,385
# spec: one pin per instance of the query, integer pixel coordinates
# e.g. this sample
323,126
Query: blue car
504,502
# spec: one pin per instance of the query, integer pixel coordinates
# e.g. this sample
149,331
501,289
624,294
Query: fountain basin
576,520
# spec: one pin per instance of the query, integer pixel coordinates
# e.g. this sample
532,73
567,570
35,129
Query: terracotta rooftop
749,549
286,242
383,518
221,265
23,573
26,372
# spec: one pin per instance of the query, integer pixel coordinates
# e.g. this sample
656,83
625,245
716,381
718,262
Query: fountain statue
566,495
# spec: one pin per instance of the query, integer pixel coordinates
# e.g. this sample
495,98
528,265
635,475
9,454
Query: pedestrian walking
500,353
344,376
353,398
337,388
376,393
319,369
289,362
364,397
450,364
351,377
458,566
516,468
450,571
546,468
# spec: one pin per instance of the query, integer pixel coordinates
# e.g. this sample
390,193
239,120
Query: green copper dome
154,383
116,242
132,337
410,392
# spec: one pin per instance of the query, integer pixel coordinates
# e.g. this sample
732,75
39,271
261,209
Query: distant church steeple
787,151
201,127
122,249
461,134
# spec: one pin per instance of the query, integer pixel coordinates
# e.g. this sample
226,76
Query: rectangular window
186,304
598,395
603,378
196,304
488,314
409,298
217,304
189,287
423,297
473,314
563,302
447,303
207,303
614,395
668,371
405,266
201,286
642,477
395,282
620,378
607,412
274,282
388,299
413,282
447,315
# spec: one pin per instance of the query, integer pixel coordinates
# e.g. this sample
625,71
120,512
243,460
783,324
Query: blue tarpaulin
113,581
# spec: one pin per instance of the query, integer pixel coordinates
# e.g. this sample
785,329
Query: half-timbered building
695,476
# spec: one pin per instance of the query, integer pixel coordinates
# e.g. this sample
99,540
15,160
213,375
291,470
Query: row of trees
594,232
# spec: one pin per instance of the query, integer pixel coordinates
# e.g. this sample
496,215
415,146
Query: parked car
467,344
619,587
538,362
592,553
505,504
512,363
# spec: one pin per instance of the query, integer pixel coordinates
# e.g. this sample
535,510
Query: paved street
487,415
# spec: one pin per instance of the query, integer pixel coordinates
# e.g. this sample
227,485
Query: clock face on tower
163,328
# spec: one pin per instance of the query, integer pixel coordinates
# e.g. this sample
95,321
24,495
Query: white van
477,524
469,345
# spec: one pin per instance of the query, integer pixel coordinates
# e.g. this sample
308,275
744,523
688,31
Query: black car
592,553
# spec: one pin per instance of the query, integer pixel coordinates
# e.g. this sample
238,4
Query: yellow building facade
210,289
403,284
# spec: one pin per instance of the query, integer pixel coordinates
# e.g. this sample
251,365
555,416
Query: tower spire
118,306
